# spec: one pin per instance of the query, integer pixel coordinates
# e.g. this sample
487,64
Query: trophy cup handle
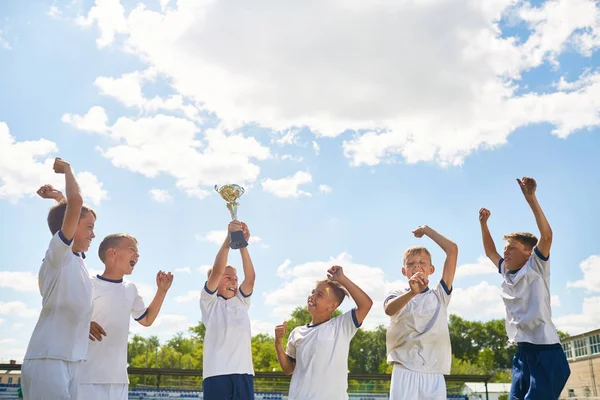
237,240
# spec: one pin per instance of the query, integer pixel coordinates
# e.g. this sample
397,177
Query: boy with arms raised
317,354
59,342
115,302
418,340
227,361
540,367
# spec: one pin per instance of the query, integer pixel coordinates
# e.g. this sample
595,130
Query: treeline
478,348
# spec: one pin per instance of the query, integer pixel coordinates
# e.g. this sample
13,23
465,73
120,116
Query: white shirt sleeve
539,263
348,323
59,250
444,293
207,298
291,345
138,308
245,298
391,295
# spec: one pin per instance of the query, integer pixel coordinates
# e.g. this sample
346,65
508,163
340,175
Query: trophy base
237,240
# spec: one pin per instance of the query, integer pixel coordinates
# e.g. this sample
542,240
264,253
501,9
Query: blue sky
348,124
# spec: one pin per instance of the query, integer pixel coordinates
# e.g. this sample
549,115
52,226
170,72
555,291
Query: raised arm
287,364
49,192
528,187
362,300
247,285
74,199
449,247
488,243
163,283
221,259
417,283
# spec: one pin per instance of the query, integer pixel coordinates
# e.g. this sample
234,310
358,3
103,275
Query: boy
228,372
418,340
60,338
317,354
104,374
540,367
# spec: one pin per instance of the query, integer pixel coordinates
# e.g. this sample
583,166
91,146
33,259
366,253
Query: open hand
60,165
96,332
164,280
420,231
528,186
335,273
418,282
49,192
484,215
280,331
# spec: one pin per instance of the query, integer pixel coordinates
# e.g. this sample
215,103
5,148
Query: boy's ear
432,270
403,271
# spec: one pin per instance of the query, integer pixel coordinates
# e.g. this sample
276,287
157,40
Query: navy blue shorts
539,372
229,387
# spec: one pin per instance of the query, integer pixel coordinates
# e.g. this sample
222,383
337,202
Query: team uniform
540,367
104,374
321,355
59,342
418,344
227,362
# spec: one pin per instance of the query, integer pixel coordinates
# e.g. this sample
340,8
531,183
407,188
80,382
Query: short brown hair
339,291
56,215
413,250
112,241
529,240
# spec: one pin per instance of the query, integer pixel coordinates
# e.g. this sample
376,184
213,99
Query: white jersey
62,329
227,341
418,336
115,303
321,355
526,296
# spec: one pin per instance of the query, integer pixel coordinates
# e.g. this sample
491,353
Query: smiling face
322,300
516,254
417,261
228,285
119,253
82,239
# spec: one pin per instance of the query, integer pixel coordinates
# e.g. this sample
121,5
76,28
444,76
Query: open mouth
230,289
132,263
311,304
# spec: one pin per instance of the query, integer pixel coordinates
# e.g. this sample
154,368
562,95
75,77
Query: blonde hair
112,241
414,250
209,272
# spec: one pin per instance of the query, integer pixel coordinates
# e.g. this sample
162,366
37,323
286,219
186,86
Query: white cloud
192,295
448,91
300,280
555,300
204,269
1,321
587,320
146,291
139,147
483,266
18,326
109,17
480,302
19,281
324,189
291,158
53,12
22,170
186,270
165,326
3,42
590,267
258,326
160,195
17,308
316,147
216,237
288,137
288,186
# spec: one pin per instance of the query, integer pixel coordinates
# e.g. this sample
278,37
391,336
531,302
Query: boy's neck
112,274
316,320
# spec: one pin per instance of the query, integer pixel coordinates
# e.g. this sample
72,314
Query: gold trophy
230,193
